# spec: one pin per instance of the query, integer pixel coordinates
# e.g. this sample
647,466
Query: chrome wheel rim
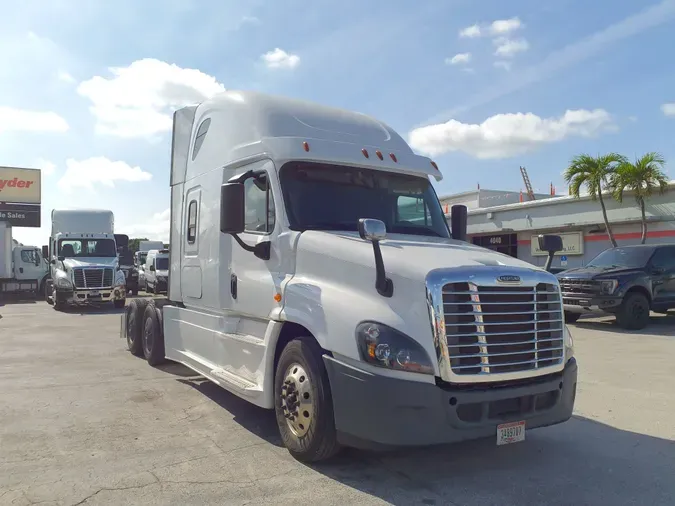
296,400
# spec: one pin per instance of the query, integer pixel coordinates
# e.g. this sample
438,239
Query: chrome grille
580,286
501,329
93,277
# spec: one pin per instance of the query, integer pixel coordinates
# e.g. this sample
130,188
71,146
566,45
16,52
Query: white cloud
22,120
506,135
668,109
458,58
65,77
45,166
506,65
470,32
505,26
280,59
507,48
155,228
568,56
99,170
137,101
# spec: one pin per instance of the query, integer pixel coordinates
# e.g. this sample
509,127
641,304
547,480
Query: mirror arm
549,261
262,250
383,284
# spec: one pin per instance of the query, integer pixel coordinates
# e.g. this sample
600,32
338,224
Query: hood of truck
593,273
91,262
409,256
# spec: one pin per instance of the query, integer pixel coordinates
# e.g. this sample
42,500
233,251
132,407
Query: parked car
627,282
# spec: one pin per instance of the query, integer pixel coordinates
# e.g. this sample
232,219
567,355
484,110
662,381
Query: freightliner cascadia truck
313,272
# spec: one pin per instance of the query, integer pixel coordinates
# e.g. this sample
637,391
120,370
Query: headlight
119,278
608,286
569,344
383,346
63,282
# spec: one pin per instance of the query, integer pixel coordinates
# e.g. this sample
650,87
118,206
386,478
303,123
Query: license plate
94,293
508,433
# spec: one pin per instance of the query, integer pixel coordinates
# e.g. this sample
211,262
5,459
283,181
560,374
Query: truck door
253,281
663,275
28,264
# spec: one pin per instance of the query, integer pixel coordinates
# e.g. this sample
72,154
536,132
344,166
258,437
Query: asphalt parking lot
82,421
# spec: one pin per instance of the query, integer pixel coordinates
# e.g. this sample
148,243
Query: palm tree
642,178
596,174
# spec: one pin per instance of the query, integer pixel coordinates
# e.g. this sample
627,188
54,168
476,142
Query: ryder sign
20,186
20,194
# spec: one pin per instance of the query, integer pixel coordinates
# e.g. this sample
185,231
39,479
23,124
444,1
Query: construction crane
528,185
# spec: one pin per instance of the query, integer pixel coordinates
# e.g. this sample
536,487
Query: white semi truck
301,282
22,268
83,259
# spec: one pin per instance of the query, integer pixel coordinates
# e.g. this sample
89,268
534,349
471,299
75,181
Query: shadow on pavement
578,462
258,421
661,325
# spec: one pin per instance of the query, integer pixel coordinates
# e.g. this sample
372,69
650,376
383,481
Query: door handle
233,286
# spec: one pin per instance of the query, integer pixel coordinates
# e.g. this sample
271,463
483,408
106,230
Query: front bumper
82,297
373,411
580,303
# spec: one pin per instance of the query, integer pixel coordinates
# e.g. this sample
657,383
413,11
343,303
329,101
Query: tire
316,438
58,306
49,292
153,336
119,304
147,289
134,313
134,292
571,317
634,312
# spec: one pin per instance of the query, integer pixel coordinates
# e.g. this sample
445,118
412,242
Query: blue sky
483,86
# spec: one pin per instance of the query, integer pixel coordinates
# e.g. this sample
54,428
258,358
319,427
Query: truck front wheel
634,311
303,403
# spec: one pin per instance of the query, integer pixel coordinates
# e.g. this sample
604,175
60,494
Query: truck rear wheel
634,311
134,316
153,335
303,402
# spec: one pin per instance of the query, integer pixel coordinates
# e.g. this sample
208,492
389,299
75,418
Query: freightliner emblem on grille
508,279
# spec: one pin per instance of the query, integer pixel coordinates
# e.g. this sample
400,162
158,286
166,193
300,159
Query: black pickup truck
627,282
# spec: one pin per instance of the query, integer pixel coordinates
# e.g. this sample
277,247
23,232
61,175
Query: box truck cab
312,272
84,264
23,269
156,271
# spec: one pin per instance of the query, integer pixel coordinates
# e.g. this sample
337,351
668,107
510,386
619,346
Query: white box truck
23,269
302,281
83,259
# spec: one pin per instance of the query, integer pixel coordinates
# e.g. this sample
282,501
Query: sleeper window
259,205
199,138
192,222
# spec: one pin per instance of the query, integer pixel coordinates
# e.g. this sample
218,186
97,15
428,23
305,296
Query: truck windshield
78,248
622,257
141,257
162,264
330,197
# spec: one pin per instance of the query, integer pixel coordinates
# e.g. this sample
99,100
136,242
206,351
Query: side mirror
458,222
372,230
552,244
45,251
232,208
61,258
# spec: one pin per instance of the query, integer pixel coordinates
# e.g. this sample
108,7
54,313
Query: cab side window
259,205
29,256
201,135
664,258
